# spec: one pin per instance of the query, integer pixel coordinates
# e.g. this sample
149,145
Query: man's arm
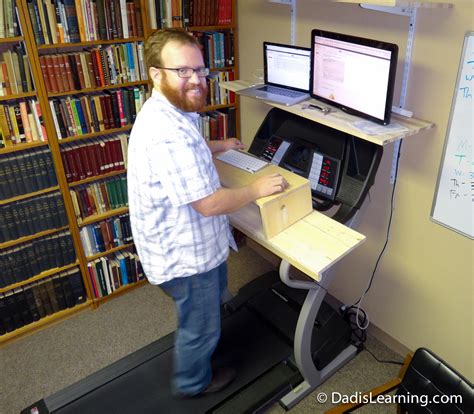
227,200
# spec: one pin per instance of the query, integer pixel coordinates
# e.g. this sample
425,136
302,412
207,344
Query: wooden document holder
269,215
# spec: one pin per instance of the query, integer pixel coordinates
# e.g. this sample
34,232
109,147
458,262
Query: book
67,287
31,303
38,300
59,292
51,294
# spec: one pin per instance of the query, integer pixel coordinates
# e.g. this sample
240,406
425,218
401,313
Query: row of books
25,260
31,302
26,171
30,216
9,26
15,73
189,13
94,68
70,21
21,121
99,197
216,125
217,47
106,234
84,114
96,157
216,94
107,274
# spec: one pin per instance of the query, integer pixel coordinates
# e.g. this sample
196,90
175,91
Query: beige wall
422,294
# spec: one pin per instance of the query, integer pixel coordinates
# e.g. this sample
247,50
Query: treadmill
278,332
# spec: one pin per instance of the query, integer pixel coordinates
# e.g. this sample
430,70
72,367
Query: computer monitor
354,74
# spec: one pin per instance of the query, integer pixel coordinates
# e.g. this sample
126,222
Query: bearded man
178,207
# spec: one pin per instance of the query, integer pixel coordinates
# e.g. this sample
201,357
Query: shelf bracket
292,4
410,12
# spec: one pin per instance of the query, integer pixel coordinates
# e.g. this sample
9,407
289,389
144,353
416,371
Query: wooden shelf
121,290
225,68
214,107
211,28
340,120
98,217
24,239
97,177
17,96
401,3
102,88
42,275
94,134
90,43
12,39
43,322
29,195
102,254
22,146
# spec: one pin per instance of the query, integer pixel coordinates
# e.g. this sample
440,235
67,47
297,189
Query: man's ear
155,75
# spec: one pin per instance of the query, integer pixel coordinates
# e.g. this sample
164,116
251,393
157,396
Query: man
177,206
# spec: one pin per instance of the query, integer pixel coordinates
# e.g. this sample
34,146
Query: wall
422,294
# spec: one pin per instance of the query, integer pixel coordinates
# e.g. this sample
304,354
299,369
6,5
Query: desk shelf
401,3
340,120
387,3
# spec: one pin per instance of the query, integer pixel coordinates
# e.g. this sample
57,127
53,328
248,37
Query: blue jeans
197,299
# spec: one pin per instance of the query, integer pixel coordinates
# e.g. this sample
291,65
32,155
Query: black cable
388,227
383,361
359,336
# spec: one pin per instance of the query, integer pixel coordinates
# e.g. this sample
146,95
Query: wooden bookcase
34,218
79,135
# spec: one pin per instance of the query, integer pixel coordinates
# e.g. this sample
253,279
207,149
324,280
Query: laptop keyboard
280,91
242,160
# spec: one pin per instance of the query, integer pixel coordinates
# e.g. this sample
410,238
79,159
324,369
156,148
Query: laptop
286,75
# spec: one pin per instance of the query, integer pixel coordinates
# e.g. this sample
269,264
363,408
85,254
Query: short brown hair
157,40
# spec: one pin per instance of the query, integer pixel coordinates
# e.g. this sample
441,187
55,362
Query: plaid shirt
170,166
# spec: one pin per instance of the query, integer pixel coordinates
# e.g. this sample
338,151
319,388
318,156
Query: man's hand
268,185
224,145
232,143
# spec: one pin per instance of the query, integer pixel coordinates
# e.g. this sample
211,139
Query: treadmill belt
246,343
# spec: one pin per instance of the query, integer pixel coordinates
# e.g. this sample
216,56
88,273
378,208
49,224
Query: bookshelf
86,97
80,72
40,281
95,83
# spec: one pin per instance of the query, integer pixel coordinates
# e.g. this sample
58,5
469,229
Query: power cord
354,313
356,317
383,361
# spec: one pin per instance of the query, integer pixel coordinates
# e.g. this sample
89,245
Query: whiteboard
454,195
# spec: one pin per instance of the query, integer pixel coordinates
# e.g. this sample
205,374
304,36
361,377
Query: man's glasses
189,72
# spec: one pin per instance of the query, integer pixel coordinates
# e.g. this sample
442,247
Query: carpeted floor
40,364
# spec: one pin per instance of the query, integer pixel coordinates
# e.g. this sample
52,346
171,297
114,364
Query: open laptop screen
287,66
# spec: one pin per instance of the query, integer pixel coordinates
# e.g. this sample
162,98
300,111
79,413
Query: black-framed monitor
354,74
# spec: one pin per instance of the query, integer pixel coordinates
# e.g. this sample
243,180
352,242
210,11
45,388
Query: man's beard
179,99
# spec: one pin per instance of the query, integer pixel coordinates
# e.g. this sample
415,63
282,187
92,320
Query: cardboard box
272,214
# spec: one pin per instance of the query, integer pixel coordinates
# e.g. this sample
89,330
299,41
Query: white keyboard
242,160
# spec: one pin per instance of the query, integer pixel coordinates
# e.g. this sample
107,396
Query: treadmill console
321,170
340,167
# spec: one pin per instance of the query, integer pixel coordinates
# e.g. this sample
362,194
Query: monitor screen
354,74
287,65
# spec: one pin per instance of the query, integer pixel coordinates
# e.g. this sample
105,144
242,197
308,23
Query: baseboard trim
389,341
